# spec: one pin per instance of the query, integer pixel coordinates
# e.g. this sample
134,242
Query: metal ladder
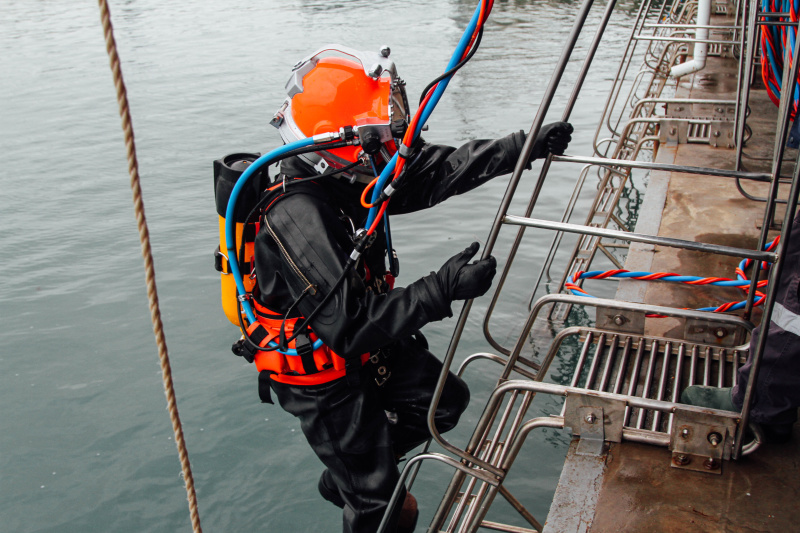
625,383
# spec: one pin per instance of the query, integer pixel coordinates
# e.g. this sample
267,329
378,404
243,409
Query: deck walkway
636,490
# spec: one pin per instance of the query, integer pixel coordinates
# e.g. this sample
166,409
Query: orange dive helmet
337,87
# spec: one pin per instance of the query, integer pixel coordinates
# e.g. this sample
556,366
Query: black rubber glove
552,139
462,281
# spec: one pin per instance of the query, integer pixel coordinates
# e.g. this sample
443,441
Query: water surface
86,443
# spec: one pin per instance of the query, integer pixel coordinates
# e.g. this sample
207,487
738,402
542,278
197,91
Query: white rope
150,276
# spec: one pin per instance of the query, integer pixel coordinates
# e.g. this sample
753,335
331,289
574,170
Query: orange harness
309,367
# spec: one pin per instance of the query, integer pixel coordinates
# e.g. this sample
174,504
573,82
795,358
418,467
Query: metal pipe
789,83
582,359
623,365
634,383
698,61
639,237
717,172
690,27
483,476
676,386
775,23
682,40
745,74
587,62
601,344
612,351
662,384
492,238
514,449
648,380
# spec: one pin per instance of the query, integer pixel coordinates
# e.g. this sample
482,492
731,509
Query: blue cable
426,111
230,226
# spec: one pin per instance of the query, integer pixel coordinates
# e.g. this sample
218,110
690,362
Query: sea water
86,443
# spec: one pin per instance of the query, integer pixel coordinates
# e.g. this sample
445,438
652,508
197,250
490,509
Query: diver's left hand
552,139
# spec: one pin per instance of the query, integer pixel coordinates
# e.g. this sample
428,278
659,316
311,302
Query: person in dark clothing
363,399
777,386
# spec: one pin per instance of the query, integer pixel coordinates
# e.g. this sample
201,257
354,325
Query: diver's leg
409,390
348,430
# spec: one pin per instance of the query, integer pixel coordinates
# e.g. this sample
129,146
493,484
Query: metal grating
654,368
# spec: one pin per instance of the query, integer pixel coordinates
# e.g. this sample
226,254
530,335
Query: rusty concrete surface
758,493
641,492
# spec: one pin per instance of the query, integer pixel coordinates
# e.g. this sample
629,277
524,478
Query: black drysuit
303,246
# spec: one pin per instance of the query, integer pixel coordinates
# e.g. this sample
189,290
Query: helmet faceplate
337,87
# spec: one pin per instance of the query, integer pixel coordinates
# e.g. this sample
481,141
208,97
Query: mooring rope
150,277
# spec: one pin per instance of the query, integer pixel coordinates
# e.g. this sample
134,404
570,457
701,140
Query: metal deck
640,460
636,489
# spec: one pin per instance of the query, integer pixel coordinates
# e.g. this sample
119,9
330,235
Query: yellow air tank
226,172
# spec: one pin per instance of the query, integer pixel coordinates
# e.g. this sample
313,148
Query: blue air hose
230,225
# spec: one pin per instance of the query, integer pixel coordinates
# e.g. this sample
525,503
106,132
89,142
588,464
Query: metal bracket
672,131
717,133
623,321
700,110
714,333
596,420
593,437
701,441
722,135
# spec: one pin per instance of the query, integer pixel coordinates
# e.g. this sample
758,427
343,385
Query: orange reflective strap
289,368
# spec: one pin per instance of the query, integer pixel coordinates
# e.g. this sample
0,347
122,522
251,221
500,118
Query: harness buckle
245,349
305,349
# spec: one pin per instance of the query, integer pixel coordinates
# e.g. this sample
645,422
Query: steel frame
500,433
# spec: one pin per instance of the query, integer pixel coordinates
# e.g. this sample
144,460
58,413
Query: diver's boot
712,397
408,515
327,487
721,398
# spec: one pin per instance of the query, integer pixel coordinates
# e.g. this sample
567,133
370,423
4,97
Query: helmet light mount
337,90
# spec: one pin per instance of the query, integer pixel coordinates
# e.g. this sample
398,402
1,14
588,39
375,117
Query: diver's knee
452,404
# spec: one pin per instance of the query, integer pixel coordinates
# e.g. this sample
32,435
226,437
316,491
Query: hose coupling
321,138
347,133
391,188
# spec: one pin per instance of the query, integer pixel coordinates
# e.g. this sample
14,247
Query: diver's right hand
463,281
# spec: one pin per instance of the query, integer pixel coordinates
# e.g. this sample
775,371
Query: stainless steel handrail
489,465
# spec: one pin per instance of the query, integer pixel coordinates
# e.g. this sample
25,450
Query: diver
354,366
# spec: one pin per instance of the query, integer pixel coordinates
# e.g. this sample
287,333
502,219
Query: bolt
716,133
673,131
720,332
385,51
685,432
681,459
679,108
715,439
619,320
590,418
711,464
720,110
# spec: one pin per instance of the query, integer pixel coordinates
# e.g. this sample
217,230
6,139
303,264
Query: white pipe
698,61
